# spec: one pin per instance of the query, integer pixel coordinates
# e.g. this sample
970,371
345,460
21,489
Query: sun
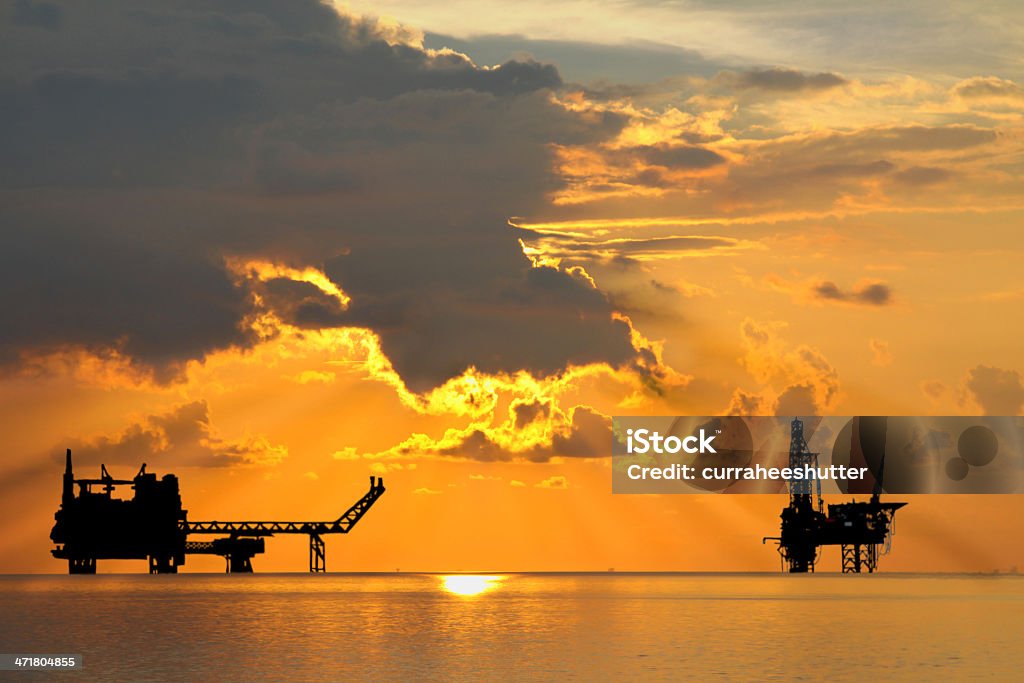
470,584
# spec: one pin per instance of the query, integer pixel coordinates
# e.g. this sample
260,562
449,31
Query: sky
279,247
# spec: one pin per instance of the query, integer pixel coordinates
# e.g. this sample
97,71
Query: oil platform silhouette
93,525
859,528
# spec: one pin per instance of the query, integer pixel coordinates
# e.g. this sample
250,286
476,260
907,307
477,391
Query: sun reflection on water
470,584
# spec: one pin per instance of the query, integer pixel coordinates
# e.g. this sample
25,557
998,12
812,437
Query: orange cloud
881,355
795,381
555,482
820,291
265,271
181,436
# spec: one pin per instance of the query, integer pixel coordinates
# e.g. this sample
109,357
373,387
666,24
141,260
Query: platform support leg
162,564
82,565
317,554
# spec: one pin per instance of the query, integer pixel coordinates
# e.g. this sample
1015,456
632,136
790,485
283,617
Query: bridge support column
317,554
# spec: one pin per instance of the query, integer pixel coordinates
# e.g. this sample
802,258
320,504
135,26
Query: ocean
585,627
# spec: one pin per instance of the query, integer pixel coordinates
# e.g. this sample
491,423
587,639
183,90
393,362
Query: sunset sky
278,247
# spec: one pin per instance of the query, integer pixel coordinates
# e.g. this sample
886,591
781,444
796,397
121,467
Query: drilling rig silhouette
859,528
93,525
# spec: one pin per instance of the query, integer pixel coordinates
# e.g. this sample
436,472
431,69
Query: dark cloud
301,303
288,171
746,403
792,166
625,252
34,13
652,244
870,294
138,128
905,139
798,399
780,80
875,294
861,170
181,437
982,87
933,388
864,152
665,288
923,175
998,391
583,62
70,281
144,144
526,412
591,435
477,446
540,320
682,157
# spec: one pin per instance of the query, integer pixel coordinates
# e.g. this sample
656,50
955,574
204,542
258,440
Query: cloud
684,156
136,181
157,307
551,247
797,399
36,14
846,171
602,63
555,482
923,175
780,80
180,437
386,467
347,453
516,483
854,146
738,159
817,291
881,355
580,432
855,170
435,332
934,389
586,434
314,377
988,87
746,403
590,435
526,412
794,381
424,491
868,294
997,391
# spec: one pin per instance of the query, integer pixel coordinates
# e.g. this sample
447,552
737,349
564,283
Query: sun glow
469,585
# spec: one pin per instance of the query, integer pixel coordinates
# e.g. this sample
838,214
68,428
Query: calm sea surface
518,626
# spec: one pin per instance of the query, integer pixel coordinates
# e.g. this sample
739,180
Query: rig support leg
239,563
162,564
82,565
871,557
